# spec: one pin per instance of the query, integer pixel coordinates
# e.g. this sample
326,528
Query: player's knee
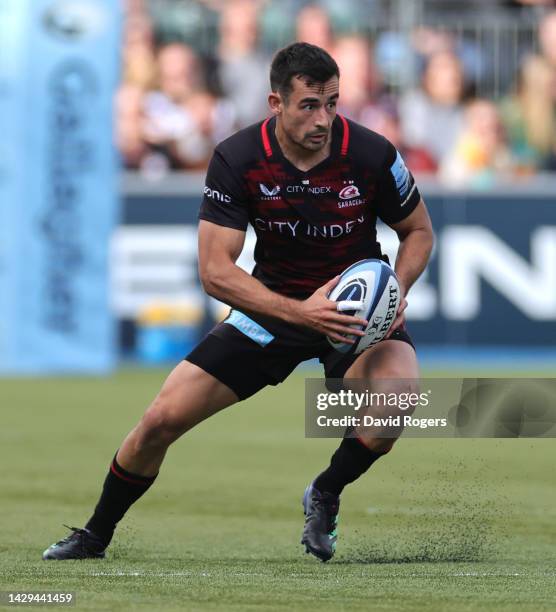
392,383
407,392
158,427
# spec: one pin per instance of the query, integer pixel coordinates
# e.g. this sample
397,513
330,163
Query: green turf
437,525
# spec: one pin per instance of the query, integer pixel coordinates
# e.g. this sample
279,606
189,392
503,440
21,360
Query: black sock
121,489
351,460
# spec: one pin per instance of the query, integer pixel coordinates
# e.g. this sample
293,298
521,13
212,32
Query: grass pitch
438,525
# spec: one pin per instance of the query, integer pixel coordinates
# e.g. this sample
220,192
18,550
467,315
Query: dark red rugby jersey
310,225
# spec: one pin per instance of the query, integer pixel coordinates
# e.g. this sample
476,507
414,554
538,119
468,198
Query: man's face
308,112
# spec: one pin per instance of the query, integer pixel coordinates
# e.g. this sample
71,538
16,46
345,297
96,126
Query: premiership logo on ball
355,290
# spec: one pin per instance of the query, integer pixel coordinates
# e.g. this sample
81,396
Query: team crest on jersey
269,192
348,192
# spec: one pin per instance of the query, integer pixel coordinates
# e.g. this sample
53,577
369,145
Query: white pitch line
125,574
156,574
168,574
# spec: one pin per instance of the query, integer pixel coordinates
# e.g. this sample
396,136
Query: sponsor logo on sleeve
402,178
216,195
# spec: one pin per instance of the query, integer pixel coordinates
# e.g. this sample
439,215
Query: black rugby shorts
247,353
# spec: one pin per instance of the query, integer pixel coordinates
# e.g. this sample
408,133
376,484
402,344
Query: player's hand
321,314
400,317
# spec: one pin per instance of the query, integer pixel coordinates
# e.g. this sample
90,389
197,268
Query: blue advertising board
491,281
58,190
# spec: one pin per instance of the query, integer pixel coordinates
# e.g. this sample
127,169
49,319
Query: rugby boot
80,544
321,520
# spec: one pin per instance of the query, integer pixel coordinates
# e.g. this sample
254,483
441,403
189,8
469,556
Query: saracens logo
348,192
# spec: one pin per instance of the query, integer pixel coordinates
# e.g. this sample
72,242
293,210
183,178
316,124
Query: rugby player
312,184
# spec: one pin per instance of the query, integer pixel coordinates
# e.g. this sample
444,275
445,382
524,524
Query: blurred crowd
195,71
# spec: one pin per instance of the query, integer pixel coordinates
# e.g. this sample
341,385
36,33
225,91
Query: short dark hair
301,59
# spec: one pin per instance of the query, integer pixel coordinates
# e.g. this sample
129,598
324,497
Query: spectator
209,120
313,26
138,55
240,63
429,41
360,79
129,125
529,115
364,100
166,119
547,38
180,122
480,152
385,120
432,116
180,72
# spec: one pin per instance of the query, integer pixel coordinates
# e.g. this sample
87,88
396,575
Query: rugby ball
373,283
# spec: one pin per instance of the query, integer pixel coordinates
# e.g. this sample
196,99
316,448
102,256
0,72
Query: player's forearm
413,256
232,285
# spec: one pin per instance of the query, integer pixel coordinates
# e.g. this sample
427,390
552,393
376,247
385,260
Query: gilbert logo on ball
372,286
